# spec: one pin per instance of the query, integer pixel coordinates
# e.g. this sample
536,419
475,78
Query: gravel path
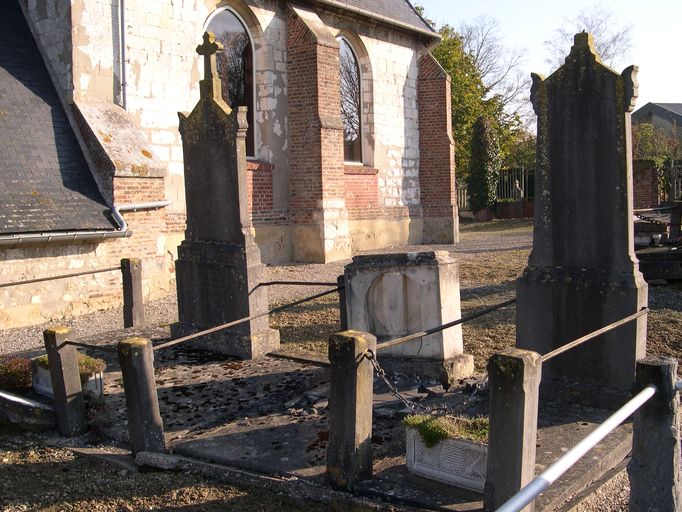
501,236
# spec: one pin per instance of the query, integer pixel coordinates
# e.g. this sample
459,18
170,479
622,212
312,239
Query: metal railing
63,276
566,461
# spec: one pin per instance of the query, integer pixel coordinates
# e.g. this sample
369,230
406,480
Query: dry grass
485,279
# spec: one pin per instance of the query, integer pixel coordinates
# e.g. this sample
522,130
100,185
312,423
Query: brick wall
437,150
646,193
361,192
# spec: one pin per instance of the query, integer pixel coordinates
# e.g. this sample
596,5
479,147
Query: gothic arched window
235,67
351,101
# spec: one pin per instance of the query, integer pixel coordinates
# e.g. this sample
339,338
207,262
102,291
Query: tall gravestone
219,267
582,273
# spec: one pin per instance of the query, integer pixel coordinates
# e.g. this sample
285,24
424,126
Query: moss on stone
433,429
87,366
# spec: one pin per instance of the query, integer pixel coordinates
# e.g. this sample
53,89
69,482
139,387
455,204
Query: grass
433,429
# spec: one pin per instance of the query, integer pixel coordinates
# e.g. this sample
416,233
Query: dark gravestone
582,273
219,266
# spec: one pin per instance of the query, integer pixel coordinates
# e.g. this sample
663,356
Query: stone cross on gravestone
210,85
219,267
582,273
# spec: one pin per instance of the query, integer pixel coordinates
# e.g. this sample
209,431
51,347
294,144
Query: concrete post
145,427
349,454
514,376
133,302
69,404
343,311
654,469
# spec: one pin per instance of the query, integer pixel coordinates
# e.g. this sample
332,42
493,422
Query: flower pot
457,462
42,382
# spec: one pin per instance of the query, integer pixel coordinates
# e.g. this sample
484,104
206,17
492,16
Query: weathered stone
392,295
133,300
145,427
157,460
654,469
349,454
582,273
514,395
69,403
219,266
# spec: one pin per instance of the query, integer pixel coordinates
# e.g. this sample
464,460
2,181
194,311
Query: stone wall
52,300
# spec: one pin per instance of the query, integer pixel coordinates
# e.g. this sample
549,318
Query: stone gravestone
392,295
582,273
219,267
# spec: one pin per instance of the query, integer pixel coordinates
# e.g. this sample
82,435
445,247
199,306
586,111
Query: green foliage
15,373
87,366
433,429
650,142
470,100
485,165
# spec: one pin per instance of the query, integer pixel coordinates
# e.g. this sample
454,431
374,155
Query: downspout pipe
98,235
122,52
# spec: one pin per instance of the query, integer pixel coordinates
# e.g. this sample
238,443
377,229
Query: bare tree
611,38
350,101
500,67
231,68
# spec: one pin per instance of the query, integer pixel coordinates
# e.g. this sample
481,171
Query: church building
349,142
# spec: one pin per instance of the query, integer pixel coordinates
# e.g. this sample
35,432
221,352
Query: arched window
235,67
351,102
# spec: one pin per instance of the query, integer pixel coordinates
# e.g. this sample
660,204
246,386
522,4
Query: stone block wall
82,44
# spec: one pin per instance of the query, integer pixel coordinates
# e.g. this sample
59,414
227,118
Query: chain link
651,220
413,406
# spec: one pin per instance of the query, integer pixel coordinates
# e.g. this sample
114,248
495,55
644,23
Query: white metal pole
564,463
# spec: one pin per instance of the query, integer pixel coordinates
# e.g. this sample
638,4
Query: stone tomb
219,266
392,295
582,273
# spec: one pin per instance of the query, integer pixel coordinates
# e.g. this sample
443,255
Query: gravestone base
229,342
447,371
218,283
557,306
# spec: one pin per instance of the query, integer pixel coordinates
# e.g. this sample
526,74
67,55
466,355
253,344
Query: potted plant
90,369
448,449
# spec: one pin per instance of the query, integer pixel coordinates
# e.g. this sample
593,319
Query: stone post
133,302
145,426
343,310
675,221
69,404
349,454
654,469
514,390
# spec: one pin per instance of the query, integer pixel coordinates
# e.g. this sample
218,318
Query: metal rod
564,463
64,276
594,334
298,283
243,320
415,335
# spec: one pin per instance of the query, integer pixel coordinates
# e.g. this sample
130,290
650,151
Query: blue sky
526,24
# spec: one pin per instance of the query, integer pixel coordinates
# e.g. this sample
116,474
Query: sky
526,24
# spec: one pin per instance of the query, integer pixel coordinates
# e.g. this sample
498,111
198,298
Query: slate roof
399,11
671,110
45,183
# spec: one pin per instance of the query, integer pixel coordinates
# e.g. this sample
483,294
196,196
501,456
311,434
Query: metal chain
651,220
413,406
